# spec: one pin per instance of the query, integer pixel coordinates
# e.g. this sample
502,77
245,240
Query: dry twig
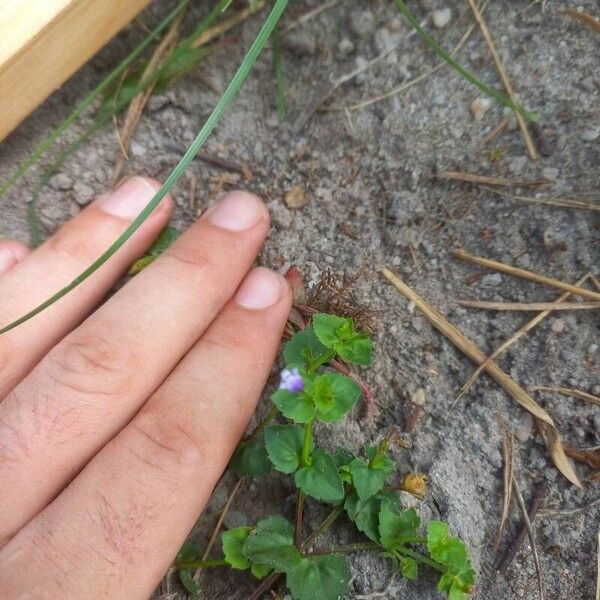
514,338
509,465
567,392
505,78
524,274
311,14
504,181
527,306
496,131
568,512
471,350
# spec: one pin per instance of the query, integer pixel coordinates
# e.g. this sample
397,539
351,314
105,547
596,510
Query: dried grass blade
524,274
487,36
531,535
137,105
509,466
587,456
528,306
576,203
503,379
569,392
485,179
514,338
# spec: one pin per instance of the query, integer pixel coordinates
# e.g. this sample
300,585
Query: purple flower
291,380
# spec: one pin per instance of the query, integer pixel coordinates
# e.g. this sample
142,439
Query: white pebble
480,106
61,182
550,173
441,17
590,135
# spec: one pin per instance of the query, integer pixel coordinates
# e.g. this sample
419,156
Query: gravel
370,175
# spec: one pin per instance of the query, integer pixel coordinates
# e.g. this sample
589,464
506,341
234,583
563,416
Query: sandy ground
370,174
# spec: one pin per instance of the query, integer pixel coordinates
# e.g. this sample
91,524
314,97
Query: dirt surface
370,175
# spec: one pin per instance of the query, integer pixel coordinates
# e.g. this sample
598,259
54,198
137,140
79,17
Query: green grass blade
55,134
464,73
223,103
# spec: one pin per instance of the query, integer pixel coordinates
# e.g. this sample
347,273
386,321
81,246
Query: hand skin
117,420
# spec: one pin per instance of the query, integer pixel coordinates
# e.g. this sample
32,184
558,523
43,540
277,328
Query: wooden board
43,42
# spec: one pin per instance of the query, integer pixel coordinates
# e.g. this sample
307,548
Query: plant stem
324,359
349,549
266,420
173,178
304,462
306,444
323,527
200,564
420,558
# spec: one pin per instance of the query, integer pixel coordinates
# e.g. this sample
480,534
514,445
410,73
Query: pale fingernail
261,288
129,199
7,258
237,211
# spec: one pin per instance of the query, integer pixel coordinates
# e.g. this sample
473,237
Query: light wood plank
43,42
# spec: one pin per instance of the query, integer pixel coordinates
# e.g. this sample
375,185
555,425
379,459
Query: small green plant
355,484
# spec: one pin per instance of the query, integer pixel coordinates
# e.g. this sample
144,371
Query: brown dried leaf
296,197
588,456
582,17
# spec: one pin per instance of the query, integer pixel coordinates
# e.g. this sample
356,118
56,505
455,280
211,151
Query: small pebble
550,173
557,326
346,47
61,182
480,106
491,279
441,17
83,193
363,22
590,135
516,164
523,431
394,24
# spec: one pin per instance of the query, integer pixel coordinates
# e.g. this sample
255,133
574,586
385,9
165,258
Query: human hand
116,422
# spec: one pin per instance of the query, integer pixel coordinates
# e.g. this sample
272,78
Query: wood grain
43,43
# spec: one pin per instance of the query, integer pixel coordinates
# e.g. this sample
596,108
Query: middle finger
93,382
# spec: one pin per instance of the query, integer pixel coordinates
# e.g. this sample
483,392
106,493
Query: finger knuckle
166,445
90,363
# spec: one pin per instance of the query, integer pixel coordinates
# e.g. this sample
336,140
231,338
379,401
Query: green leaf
365,513
342,457
321,479
189,551
339,333
167,236
334,395
251,458
409,568
284,446
296,406
233,542
451,553
367,481
394,527
260,571
319,578
304,349
271,544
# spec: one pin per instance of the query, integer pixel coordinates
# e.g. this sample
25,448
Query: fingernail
7,258
261,288
129,199
237,211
